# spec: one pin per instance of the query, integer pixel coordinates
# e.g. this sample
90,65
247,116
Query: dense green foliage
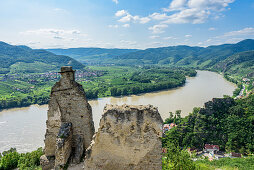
12,159
176,158
241,64
22,59
223,122
114,81
227,163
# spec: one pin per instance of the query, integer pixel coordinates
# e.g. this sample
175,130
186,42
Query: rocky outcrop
70,125
128,138
217,105
63,145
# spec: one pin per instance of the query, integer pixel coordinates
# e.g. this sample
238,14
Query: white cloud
115,1
209,40
126,42
144,20
169,38
158,16
156,29
121,13
154,37
194,16
212,29
176,5
231,37
216,5
113,26
51,37
51,31
195,11
245,31
181,11
127,17
126,25
188,36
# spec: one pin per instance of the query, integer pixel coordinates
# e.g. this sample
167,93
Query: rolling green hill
231,58
241,64
22,59
188,56
91,55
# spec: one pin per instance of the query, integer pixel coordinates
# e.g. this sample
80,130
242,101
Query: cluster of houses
213,152
167,127
49,76
247,81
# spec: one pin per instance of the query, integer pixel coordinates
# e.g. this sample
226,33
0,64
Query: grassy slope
18,59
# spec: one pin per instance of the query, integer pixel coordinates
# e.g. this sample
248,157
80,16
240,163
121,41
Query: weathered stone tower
70,126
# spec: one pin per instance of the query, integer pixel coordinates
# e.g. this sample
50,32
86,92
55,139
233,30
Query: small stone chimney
67,73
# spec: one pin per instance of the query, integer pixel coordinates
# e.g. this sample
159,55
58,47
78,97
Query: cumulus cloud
193,15
195,11
121,13
52,37
231,37
115,1
245,31
169,38
188,36
126,25
181,11
113,26
130,43
51,31
212,29
156,29
158,16
154,37
176,5
144,20
127,17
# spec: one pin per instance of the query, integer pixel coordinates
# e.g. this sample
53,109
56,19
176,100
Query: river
24,128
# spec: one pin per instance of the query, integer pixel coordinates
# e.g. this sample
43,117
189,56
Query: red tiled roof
172,125
208,146
166,126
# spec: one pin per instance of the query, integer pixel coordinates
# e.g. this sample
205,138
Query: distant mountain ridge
215,57
91,55
18,59
200,57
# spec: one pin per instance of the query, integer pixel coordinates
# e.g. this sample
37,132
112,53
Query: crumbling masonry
129,137
70,126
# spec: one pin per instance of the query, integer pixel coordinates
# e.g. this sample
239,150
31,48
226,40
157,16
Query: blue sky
125,23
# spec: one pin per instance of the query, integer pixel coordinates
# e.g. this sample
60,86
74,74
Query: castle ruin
69,112
129,137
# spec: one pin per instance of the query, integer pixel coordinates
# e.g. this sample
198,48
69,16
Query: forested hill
187,56
18,59
240,63
91,55
232,58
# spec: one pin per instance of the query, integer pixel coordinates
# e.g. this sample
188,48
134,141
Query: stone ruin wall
128,136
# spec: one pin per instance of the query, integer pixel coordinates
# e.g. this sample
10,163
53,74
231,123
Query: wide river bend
24,128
